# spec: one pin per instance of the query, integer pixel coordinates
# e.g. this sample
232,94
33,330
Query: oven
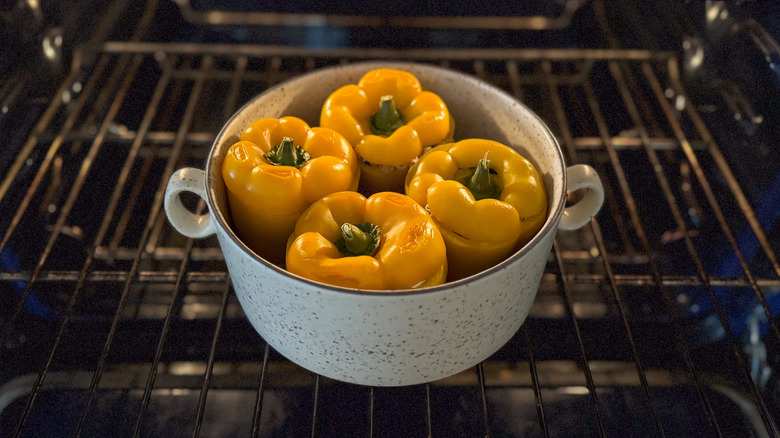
659,318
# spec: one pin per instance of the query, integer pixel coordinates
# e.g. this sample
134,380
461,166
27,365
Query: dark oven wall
656,319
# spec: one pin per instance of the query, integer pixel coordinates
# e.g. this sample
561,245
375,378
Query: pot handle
186,222
582,176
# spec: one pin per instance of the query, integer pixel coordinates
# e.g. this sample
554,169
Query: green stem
287,154
481,182
359,239
388,119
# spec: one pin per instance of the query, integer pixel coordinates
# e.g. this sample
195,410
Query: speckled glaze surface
399,337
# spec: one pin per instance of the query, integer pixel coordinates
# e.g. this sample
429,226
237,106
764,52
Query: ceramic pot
398,337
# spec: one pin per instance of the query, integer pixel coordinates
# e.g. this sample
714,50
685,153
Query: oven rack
83,200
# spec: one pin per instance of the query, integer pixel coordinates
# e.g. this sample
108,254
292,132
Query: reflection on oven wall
730,67
729,57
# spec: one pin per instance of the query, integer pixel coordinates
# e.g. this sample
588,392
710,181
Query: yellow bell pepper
277,169
389,120
486,198
383,242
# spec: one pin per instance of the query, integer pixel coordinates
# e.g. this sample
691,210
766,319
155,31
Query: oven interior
656,319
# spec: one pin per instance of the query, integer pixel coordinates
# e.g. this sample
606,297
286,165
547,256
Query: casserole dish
401,337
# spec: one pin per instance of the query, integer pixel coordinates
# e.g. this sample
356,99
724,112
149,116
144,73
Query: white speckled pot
401,337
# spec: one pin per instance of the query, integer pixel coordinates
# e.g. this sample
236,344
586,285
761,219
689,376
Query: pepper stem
358,239
388,119
287,154
481,182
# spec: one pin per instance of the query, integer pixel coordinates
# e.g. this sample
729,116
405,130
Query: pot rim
550,225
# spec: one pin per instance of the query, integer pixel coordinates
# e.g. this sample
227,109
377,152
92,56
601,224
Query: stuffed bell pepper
383,242
277,169
389,120
485,197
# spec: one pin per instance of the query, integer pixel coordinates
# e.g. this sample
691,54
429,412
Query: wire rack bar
614,204
371,407
483,393
346,54
215,254
129,205
238,76
210,365
257,18
258,411
428,420
162,139
316,403
200,277
535,381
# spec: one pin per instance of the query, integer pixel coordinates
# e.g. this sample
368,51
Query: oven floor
287,412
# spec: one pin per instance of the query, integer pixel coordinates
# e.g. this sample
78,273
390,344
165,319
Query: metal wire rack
112,313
